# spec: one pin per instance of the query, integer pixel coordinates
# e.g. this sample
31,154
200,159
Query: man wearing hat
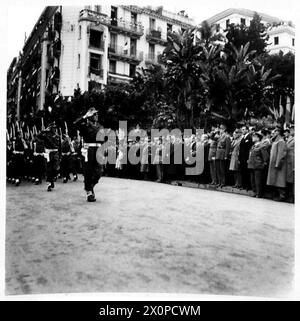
88,126
290,164
277,165
52,145
258,158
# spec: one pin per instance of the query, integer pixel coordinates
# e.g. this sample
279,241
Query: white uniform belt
50,150
65,154
18,152
38,154
87,145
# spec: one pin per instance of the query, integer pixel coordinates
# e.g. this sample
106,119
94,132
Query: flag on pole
288,110
66,126
281,111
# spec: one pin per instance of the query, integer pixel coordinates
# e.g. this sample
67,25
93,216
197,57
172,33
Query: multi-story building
92,46
89,47
281,33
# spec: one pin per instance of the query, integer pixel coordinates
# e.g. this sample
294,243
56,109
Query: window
112,66
78,61
114,16
95,62
293,42
79,31
151,51
276,40
169,27
98,9
151,23
133,18
113,41
95,39
132,70
243,21
227,23
132,47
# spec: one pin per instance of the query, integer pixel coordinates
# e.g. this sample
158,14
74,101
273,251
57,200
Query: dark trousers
92,170
246,181
65,166
159,172
221,171
39,166
256,176
237,176
52,167
18,167
213,171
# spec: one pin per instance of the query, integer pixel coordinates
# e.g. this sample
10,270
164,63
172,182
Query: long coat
234,160
290,160
277,165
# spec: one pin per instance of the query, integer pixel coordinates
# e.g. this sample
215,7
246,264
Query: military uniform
92,170
38,160
19,147
65,159
52,149
222,154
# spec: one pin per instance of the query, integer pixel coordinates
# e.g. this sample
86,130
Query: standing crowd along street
261,161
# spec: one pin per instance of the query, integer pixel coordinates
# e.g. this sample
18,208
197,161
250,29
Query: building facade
92,46
89,47
281,33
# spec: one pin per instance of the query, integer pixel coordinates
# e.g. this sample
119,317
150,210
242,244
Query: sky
21,18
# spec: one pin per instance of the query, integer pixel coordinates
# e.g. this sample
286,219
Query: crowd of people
261,161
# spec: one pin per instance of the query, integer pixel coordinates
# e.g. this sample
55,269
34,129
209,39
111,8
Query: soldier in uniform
222,154
65,158
19,148
38,159
52,148
88,126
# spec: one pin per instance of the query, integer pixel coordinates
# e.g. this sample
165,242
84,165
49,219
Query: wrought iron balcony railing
156,36
125,53
119,25
95,71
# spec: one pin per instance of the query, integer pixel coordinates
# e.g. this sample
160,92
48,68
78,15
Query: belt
87,145
65,154
18,152
38,154
50,150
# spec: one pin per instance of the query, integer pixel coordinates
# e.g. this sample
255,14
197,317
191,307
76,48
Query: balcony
126,55
118,25
153,59
95,71
100,47
156,37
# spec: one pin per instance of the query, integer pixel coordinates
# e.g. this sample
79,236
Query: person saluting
88,127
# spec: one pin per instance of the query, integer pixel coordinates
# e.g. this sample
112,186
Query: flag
280,107
194,38
288,110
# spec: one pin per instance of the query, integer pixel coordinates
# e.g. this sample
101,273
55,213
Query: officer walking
88,126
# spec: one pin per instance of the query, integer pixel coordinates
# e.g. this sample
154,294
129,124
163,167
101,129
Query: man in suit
245,146
290,164
222,154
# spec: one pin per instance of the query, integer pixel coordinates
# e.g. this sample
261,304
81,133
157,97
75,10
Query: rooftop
245,12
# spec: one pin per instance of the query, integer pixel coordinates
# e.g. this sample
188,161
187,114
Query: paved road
146,237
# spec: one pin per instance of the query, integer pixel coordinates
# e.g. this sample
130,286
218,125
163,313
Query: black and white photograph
150,148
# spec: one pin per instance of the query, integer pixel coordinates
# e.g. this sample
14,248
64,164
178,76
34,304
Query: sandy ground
146,237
